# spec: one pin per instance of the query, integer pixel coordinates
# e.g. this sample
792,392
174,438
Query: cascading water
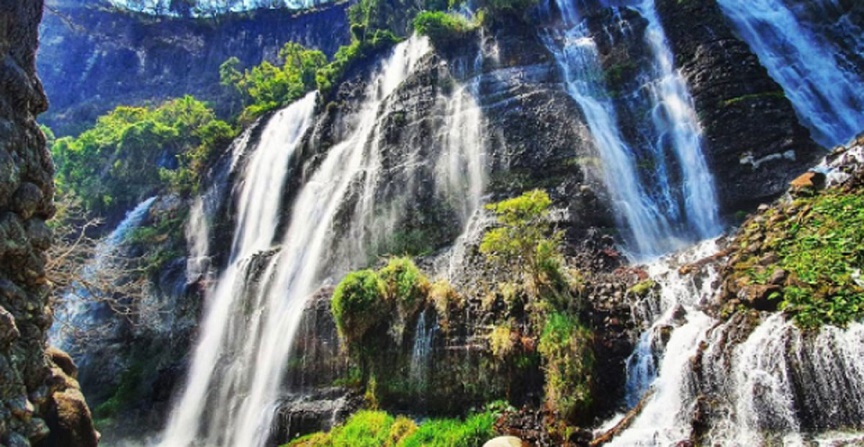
242,354
738,382
212,376
661,217
814,72
80,312
460,170
424,334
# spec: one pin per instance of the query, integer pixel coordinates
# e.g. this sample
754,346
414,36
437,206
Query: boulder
504,441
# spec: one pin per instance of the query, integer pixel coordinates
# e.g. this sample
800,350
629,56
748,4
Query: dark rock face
29,388
754,144
93,59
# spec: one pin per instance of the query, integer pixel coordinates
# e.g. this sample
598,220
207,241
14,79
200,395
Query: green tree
113,164
524,233
267,86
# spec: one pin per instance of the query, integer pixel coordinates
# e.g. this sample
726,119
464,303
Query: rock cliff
38,390
94,58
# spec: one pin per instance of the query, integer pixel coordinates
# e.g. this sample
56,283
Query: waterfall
424,334
258,217
241,357
80,312
816,73
658,217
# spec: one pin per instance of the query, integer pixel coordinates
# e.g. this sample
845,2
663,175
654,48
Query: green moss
127,394
820,246
643,288
617,74
751,97
405,284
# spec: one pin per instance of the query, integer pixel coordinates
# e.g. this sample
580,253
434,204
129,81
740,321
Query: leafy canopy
266,86
112,165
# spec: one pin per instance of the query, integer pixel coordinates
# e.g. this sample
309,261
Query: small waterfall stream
659,217
80,312
816,73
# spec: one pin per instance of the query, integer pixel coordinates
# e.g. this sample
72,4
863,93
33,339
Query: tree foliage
524,240
266,86
131,151
443,29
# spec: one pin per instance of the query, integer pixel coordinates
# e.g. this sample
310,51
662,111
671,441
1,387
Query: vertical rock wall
35,393
754,143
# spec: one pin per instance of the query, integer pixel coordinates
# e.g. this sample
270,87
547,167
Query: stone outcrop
94,58
34,392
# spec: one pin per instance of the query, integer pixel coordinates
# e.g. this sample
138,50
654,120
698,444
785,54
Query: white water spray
825,92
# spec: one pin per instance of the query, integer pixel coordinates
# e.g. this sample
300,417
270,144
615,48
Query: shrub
405,285
442,28
348,56
569,361
525,242
267,86
359,304
501,341
446,300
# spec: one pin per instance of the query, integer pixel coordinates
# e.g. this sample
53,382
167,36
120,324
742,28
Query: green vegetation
348,56
744,98
443,29
526,243
111,166
379,429
818,246
405,284
642,289
497,9
358,304
266,87
569,361
366,299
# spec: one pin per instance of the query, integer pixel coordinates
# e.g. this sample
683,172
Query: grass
379,429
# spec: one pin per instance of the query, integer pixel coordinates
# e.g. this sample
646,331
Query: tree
117,283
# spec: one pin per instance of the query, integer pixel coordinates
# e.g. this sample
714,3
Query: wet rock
778,277
70,421
141,60
63,361
729,85
8,330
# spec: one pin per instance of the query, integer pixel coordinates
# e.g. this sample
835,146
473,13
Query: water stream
81,315
817,74
657,216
